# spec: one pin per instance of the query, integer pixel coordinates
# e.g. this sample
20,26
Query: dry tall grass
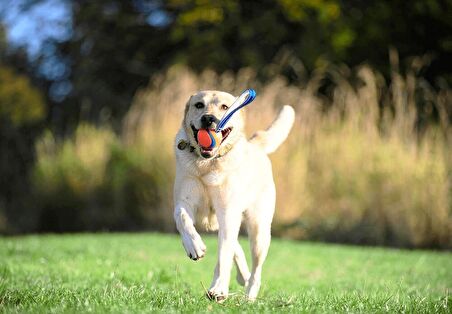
356,168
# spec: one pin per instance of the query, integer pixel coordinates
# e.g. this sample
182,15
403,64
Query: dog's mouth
207,152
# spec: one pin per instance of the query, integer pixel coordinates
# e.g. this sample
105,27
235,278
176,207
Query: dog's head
203,111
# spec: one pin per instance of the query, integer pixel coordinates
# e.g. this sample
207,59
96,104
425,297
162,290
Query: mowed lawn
151,273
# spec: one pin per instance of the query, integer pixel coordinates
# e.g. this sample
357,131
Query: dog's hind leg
259,233
243,273
260,241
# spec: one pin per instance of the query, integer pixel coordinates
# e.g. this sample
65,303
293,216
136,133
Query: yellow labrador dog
215,188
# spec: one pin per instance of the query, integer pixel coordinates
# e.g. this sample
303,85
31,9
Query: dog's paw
194,246
217,297
252,289
218,291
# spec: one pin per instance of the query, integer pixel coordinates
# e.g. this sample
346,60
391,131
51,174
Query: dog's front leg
187,198
193,244
229,220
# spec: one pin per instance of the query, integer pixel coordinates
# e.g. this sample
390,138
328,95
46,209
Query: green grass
150,273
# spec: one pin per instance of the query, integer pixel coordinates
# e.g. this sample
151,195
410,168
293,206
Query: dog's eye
199,105
224,107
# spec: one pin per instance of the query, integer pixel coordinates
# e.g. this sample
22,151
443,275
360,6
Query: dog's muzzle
208,120
209,152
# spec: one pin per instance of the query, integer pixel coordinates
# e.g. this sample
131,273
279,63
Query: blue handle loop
250,95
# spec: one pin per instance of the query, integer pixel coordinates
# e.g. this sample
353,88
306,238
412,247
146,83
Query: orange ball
209,138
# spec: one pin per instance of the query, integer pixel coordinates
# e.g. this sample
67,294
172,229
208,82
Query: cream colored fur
218,192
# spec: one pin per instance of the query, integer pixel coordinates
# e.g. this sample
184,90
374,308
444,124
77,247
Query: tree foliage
116,45
22,112
20,102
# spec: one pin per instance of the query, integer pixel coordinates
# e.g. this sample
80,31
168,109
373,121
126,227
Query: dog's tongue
208,138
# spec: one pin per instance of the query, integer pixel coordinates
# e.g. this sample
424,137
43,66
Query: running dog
216,188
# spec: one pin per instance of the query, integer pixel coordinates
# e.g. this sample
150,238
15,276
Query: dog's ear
187,105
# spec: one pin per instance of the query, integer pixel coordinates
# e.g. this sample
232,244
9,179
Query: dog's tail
270,139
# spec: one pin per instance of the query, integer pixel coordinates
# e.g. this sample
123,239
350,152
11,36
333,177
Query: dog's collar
183,144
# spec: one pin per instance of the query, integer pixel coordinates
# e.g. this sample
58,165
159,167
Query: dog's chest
213,178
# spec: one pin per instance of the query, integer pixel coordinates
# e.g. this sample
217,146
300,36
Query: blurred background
92,94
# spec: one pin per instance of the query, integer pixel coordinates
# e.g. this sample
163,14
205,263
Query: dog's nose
207,120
